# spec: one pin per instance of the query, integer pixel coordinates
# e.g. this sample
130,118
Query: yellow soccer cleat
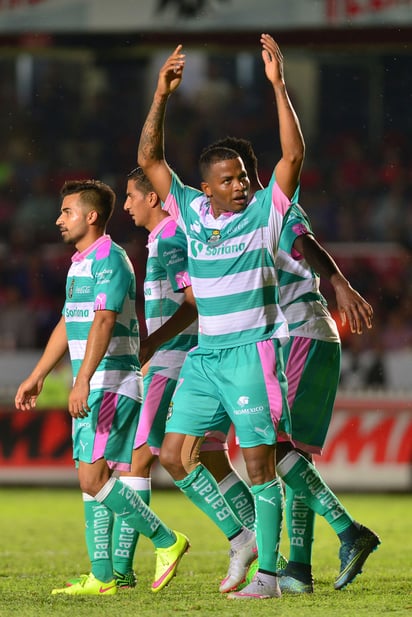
167,560
88,586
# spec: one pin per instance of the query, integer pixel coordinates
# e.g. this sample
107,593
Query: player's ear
92,217
206,189
153,199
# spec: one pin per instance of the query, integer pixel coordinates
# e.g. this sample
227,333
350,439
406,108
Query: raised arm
351,306
291,139
150,155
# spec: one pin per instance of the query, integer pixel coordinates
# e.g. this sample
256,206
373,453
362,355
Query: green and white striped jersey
231,265
102,278
301,300
166,278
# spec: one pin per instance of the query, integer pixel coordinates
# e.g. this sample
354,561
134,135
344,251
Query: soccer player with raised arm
312,367
237,368
171,320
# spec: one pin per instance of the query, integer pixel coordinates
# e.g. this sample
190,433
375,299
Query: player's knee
260,470
189,462
92,478
90,486
170,459
142,462
260,463
190,452
259,474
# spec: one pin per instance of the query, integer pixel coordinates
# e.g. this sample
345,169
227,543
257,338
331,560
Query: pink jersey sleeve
171,206
279,199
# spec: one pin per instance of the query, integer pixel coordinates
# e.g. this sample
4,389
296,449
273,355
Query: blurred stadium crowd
75,124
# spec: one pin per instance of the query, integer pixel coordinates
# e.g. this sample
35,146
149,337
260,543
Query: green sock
125,537
202,490
240,499
269,507
301,475
300,522
127,504
98,532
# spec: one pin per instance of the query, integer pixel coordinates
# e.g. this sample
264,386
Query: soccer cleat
353,555
289,584
167,560
125,581
281,563
75,580
253,568
88,585
258,590
240,560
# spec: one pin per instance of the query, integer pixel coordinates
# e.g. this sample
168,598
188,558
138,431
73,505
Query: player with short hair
100,330
312,367
236,368
171,319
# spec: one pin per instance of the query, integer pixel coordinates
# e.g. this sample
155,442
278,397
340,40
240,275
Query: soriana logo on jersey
226,249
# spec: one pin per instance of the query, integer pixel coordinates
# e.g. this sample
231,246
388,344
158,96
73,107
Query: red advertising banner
35,447
369,447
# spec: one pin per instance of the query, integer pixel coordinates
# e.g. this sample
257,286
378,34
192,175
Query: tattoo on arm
152,137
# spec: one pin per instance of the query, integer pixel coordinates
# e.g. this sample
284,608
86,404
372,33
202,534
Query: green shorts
108,431
158,391
245,384
312,368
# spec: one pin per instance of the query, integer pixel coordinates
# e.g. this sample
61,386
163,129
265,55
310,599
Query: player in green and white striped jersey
312,360
99,327
236,368
171,318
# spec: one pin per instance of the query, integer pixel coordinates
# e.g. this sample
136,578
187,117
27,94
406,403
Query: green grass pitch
42,544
